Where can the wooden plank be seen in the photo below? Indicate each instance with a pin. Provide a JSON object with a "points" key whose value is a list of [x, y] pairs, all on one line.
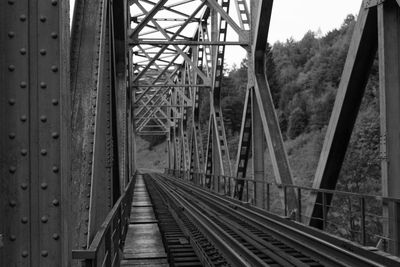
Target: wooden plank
{"points": [[351, 89]]}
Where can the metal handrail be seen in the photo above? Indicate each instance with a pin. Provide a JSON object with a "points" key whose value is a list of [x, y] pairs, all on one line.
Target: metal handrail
{"points": [[104, 249], [317, 190], [357, 203]]}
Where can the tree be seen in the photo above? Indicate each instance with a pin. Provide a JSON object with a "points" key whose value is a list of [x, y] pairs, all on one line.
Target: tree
{"points": [[298, 121]]}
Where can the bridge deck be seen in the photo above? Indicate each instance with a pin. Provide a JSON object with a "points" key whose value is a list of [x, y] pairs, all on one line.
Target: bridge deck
{"points": [[143, 244]]}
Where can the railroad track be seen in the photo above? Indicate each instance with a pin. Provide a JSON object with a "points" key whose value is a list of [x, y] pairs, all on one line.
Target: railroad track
{"points": [[181, 250], [246, 236]]}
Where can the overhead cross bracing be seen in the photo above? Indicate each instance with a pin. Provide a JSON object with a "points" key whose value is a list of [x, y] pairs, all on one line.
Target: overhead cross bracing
{"points": [[201, 65], [178, 48]]}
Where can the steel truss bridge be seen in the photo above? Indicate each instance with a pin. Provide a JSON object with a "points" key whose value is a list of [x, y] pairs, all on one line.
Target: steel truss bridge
{"points": [[75, 98]]}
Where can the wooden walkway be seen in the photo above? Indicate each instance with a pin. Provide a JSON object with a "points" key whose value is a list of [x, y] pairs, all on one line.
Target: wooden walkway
{"points": [[143, 244]]}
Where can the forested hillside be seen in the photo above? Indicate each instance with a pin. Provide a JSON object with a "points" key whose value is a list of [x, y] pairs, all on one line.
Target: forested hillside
{"points": [[304, 76]]}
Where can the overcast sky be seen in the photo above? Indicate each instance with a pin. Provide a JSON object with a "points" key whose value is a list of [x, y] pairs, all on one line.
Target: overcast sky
{"points": [[293, 18]]}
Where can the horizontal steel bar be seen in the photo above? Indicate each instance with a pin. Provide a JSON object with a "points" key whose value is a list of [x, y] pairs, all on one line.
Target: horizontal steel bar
{"points": [[160, 118], [152, 133], [161, 43], [172, 85], [162, 106]]}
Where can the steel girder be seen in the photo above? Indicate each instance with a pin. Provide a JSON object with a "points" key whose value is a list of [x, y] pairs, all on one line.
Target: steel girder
{"points": [[158, 41], [101, 115], [260, 125]]}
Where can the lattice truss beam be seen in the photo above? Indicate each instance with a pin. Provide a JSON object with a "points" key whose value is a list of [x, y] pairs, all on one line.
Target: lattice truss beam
{"points": [[178, 49], [199, 60]]}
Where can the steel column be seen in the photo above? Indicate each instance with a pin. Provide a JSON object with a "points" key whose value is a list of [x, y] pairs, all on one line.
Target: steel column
{"points": [[34, 101], [389, 68]]}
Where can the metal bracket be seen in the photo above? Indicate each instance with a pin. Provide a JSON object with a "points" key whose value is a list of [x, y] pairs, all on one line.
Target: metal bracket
{"points": [[372, 3]]}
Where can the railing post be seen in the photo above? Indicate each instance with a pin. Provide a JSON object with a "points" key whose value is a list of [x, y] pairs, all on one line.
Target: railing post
{"points": [[268, 201], [285, 200], [90, 263], [263, 197], [299, 204], [247, 191], [324, 210], [224, 185], [108, 246], [362, 207], [229, 184]]}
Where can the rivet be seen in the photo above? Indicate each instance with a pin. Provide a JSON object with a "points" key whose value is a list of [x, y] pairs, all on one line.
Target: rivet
{"points": [[87, 207], [88, 195], [12, 203], [84, 246], [11, 135], [23, 85], [43, 52], [44, 219], [54, 2], [23, 118], [56, 236], [22, 18], [11, 67], [13, 237], [11, 34], [43, 186], [42, 18], [55, 102], [24, 220], [44, 253], [43, 85], [11, 101], [54, 68], [43, 152], [56, 202], [24, 152], [24, 254], [12, 169], [43, 118], [24, 186], [54, 35], [55, 169], [55, 135], [22, 51]]}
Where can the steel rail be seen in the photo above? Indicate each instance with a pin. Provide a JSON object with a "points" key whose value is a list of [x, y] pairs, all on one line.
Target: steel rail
{"points": [[237, 254], [318, 243], [271, 251], [268, 249], [157, 197]]}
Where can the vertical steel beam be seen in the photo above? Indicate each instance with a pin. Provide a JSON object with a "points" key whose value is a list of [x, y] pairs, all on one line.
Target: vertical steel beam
{"points": [[244, 148], [269, 119], [258, 148], [389, 68], [351, 89], [118, 37], [258, 139], [34, 101], [102, 167]]}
